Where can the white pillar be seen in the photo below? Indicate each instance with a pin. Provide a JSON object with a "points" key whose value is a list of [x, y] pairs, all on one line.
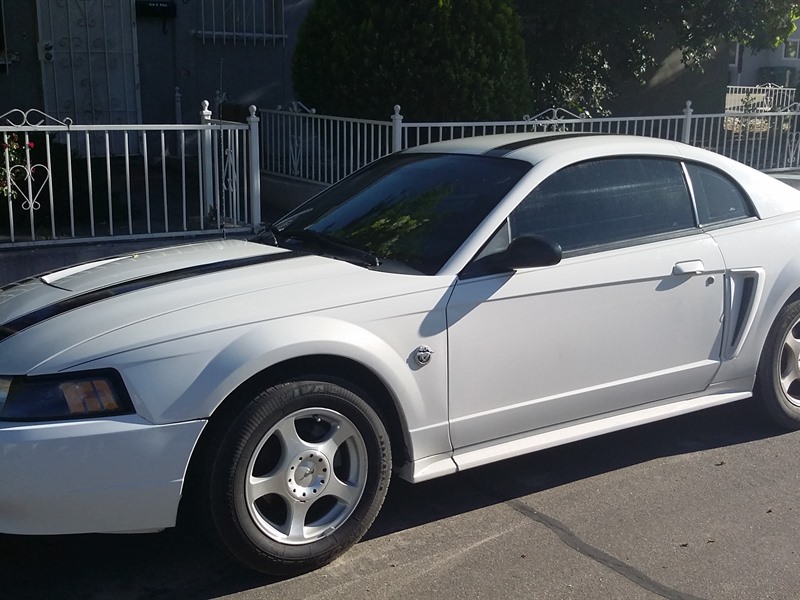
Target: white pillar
{"points": [[687, 123], [255, 167], [397, 129], [208, 162]]}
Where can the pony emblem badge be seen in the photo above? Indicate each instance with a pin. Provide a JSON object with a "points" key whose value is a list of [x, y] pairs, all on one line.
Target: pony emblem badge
{"points": [[423, 355]]}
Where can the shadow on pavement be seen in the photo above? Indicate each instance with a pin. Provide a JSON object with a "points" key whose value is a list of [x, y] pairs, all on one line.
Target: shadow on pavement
{"points": [[175, 564], [727, 425]]}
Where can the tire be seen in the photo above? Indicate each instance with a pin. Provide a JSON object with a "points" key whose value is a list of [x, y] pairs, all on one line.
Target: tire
{"points": [[299, 477], [778, 378]]}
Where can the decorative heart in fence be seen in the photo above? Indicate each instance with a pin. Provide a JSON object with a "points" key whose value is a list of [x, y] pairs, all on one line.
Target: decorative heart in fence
{"points": [[30, 203]]}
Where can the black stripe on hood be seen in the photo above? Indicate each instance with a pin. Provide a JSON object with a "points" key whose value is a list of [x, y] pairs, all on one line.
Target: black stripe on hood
{"points": [[53, 310]]}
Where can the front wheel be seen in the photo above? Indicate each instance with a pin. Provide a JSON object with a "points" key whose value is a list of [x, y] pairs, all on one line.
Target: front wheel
{"points": [[299, 477], [778, 379]]}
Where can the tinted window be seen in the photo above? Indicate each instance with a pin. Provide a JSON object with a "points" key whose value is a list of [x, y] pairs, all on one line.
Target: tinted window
{"points": [[605, 202], [415, 209], [718, 198]]}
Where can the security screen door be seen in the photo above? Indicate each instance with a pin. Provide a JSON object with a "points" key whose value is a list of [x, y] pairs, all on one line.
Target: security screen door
{"points": [[88, 54]]}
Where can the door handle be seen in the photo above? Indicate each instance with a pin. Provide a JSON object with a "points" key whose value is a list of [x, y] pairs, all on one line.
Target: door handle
{"points": [[689, 267]]}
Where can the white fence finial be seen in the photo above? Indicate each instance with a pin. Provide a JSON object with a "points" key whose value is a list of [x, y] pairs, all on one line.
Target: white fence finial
{"points": [[205, 114], [687, 123], [397, 129]]}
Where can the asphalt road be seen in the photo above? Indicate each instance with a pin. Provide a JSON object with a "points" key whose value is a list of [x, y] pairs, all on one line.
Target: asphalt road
{"points": [[701, 506]]}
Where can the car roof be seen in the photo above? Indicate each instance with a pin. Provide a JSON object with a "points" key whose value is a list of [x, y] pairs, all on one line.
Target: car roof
{"points": [[555, 150], [535, 147]]}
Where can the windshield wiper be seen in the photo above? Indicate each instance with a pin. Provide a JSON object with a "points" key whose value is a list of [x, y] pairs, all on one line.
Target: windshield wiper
{"points": [[267, 236], [341, 249]]}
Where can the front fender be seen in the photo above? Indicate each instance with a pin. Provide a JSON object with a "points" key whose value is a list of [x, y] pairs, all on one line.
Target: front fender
{"points": [[188, 378]]}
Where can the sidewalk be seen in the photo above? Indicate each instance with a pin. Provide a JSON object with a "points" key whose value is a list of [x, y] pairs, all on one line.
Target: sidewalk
{"points": [[791, 178]]}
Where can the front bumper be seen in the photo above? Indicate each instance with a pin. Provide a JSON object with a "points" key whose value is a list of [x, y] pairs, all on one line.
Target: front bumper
{"points": [[93, 476]]}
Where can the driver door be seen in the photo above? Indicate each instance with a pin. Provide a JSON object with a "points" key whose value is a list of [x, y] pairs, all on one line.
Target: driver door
{"points": [[631, 315]]}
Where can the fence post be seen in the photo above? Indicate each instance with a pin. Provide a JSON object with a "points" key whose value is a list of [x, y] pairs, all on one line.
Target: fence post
{"points": [[397, 129], [255, 168], [687, 123], [208, 162]]}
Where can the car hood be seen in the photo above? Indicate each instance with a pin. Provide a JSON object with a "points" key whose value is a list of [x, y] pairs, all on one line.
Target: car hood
{"points": [[117, 304], [109, 274]]}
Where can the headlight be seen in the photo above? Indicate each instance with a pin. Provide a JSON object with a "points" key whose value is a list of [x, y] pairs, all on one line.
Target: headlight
{"points": [[67, 396]]}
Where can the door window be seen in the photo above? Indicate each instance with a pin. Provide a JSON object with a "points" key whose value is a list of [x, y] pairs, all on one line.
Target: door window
{"points": [[614, 201]]}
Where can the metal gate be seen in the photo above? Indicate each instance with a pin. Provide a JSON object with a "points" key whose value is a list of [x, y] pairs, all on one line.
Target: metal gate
{"points": [[88, 53]]}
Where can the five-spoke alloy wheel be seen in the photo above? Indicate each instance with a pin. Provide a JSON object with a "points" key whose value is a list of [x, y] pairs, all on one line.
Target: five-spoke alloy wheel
{"points": [[779, 370], [299, 476]]}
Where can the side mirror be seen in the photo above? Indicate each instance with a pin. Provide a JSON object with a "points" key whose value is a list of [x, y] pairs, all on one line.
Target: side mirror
{"points": [[529, 251]]}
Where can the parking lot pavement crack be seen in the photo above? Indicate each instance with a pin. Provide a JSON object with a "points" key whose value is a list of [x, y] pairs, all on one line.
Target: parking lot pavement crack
{"points": [[604, 558]]}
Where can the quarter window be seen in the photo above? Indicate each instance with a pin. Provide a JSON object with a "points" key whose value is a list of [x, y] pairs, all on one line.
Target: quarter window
{"points": [[718, 199], [607, 201]]}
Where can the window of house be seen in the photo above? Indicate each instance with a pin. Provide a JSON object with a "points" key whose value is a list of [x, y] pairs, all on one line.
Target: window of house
{"points": [[718, 199], [241, 23], [791, 49], [733, 55], [607, 202]]}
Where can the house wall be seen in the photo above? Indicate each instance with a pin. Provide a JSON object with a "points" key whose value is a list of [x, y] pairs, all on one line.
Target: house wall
{"points": [[158, 64], [21, 81], [750, 68], [169, 57]]}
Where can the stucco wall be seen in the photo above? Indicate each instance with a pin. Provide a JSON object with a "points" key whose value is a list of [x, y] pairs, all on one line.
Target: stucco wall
{"points": [[171, 56]]}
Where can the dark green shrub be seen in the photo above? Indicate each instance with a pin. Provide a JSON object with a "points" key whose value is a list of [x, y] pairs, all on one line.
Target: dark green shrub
{"points": [[439, 59]]}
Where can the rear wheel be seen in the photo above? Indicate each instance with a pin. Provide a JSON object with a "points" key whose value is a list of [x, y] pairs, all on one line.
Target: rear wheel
{"points": [[299, 476], [778, 378]]}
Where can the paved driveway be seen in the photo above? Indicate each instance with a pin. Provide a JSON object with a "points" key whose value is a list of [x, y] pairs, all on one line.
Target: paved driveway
{"points": [[702, 506]]}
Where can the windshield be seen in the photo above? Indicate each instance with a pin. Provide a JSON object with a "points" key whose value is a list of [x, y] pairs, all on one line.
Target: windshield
{"points": [[408, 211]]}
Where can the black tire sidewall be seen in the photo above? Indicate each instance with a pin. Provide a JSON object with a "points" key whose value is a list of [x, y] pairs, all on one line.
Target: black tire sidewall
{"points": [[238, 531], [768, 384]]}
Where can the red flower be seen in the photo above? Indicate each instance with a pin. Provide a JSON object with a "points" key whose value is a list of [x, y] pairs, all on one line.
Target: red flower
{"points": [[30, 145]]}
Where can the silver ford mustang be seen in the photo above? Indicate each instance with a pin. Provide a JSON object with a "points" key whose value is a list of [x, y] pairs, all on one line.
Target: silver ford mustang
{"points": [[443, 308]]}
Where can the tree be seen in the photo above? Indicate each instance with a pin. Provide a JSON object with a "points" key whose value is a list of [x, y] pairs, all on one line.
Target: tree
{"points": [[439, 59], [576, 49]]}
